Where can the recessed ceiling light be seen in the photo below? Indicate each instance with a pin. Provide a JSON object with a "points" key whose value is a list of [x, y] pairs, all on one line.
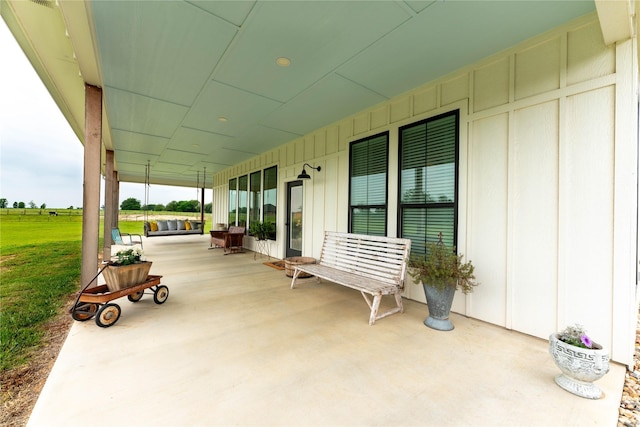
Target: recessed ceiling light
{"points": [[195, 145], [283, 62], [222, 119]]}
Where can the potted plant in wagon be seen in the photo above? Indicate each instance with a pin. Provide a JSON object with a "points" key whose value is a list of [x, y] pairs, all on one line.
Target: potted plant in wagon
{"points": [[581, 361], [441, 271], [127, 268]]}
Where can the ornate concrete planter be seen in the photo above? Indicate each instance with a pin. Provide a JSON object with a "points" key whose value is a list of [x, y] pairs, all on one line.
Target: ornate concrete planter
{"points": [[579, 366]]}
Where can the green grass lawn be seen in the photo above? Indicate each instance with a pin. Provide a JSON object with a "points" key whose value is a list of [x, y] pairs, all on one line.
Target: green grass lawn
{"points": [[40, 264]]}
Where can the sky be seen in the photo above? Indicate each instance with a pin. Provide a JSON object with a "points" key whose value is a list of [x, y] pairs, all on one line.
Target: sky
{"points": [[40, 156]]}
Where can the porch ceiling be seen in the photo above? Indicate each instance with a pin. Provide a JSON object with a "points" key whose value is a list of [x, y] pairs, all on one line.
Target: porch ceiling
{"points": [[171, 70]]}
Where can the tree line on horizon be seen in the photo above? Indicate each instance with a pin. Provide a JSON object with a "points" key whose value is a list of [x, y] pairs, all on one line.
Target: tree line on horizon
{"points": [[130, 204], [4, 204], [133, 204]]}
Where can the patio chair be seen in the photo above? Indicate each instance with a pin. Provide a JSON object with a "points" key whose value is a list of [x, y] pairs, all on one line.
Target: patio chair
{"points": [[116, 235]]}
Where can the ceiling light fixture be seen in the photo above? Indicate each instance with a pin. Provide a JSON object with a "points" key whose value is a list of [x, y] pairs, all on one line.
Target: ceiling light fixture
{"points": [[304, 174], [283, 62], [222, 119]]}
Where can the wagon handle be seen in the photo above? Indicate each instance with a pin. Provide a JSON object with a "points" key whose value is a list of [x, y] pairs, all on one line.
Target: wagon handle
{"points": [[75, 304]]}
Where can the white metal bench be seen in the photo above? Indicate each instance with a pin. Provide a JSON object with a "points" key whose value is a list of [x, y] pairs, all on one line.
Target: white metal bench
{"points": [[373, 265]]}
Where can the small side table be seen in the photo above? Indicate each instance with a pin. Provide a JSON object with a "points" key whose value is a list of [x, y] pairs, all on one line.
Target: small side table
{"points": [[262, 246]]}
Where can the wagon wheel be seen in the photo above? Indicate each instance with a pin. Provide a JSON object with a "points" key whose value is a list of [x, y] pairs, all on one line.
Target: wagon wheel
{"points": [[136, 296], [161, 294], [84, 311], [108, 315]]}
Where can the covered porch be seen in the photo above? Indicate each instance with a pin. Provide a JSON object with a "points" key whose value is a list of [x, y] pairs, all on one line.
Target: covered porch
{"points": [[233, 345]]}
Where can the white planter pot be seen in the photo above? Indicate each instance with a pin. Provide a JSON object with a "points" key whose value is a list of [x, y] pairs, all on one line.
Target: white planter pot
{"points": [[579, 366]]}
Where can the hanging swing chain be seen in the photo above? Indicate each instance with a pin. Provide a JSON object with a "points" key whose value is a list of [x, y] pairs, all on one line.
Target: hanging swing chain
{"points": [[146, 191]]}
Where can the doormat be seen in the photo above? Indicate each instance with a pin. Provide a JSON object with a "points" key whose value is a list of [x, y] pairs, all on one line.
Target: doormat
{"points": [[278, 265]]}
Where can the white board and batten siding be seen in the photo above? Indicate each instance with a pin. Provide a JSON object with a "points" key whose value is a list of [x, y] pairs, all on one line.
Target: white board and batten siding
{"points": [[547, 181]]}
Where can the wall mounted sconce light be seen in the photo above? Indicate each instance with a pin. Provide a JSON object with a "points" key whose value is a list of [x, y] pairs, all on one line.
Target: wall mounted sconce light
{"points": [[304, 174]]}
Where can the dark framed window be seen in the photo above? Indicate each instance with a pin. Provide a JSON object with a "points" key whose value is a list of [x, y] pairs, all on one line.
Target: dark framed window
{"points": [[270, 197], [233, 200], [428, 181], [243, 183], [255, 187], [368, 173], [254, 198]]}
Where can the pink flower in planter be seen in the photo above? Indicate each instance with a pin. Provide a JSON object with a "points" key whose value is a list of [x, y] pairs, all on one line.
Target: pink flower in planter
{"points": [[586, 340]]}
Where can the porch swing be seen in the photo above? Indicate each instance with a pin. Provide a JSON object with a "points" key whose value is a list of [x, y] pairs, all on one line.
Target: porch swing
{"points": [[172, 227]]}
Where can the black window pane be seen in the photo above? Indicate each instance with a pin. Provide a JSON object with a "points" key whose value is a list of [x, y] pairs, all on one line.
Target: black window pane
{"points": [[368, 185]]}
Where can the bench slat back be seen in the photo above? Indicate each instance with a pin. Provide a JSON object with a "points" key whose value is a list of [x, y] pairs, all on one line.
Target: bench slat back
{"points": [[376, 257]]}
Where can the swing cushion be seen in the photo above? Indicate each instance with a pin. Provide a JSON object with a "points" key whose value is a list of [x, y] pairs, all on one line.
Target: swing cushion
{"points": [[181, 225], [173, 224], [187, 225], [196, 227], [154, 226]]}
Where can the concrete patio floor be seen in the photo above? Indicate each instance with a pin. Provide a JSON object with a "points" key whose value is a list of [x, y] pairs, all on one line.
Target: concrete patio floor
{"points": [[233, 345]]}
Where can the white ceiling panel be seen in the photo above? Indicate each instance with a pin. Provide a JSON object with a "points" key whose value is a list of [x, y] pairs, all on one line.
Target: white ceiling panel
{"points": [[339, 96], [239, 108], [447, 36], [136, 142], [257, 139], [200, 141], [141, 114], [171, 69], [135, 162], [316, 36], [234, 12], [164, 50]]}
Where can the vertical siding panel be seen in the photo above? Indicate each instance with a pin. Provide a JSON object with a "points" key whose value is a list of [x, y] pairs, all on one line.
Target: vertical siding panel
{"points": [[588, 169], [538, 69], [588, 57], [379, 117], [491, 85], [535, 215], [332, 140], [344, 133], [455, 90], [400, 109], [330, 190], [320, 144], [425, 100], [361, 124], [488, 216], [343, 192], [308, 148]]}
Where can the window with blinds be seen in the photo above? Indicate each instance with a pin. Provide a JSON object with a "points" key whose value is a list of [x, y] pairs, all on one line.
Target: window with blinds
{"points": [[368, 164], [429, 181]]}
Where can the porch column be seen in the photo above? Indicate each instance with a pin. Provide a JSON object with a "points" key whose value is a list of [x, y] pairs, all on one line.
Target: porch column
{"points": [[91, 182], [109, 207], [116, 199]]}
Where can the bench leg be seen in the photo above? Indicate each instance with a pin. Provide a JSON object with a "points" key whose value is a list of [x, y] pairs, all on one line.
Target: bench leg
{"points": [[296, 273], [399, 302], [375, 307]]}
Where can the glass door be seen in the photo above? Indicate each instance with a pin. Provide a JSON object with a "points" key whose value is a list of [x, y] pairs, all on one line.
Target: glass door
{"points": [[294, 219]]}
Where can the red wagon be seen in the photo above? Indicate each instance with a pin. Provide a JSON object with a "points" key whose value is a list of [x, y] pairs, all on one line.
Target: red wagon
{"points": [[96, 301]]}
